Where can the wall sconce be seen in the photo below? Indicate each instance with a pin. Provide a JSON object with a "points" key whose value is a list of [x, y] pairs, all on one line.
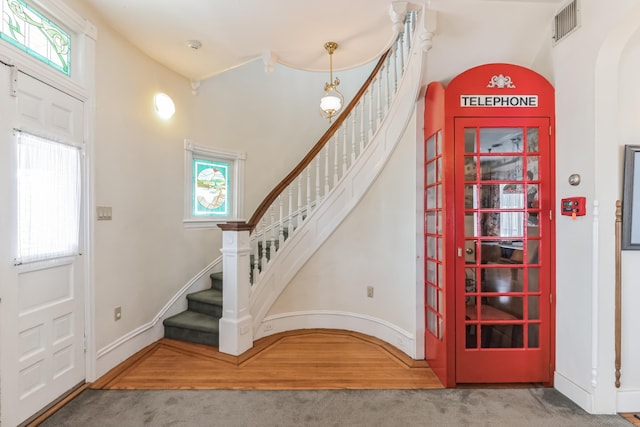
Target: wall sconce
{"points": [[332, 102], [165, 108]]}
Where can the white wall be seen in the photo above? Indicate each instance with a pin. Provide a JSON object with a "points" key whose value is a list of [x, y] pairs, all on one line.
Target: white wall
{"points": [[374, 246], [589, 75], [144, 255], [273, 117]]}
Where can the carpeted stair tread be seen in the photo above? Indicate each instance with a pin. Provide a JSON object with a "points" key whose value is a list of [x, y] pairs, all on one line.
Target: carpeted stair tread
{"points": [[216, 281], [193, 321], [208, 296]]}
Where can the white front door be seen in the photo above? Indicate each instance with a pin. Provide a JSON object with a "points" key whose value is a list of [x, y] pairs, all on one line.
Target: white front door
{"points": [[42, 302]]}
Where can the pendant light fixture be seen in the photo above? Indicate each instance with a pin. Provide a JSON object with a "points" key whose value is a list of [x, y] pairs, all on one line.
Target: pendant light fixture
{"points": [[332, 102]]}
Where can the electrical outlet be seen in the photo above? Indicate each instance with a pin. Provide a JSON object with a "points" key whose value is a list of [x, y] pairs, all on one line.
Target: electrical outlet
{"points": [[268, 327], [117, 313], [370, 291]]}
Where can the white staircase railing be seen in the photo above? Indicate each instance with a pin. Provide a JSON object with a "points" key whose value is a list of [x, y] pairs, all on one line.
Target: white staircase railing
{"points": [[251, 248]]}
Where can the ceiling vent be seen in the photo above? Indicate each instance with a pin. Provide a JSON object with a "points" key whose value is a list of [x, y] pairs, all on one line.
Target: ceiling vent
{"points": [[566, 21]]}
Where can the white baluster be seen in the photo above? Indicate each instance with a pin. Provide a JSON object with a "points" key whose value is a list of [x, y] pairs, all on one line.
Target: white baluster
{"points": [[362, 134], [387, 99], [291, 215], [371, 112], [326, 170], [308, 191], [299, 217], [344, 148], [395, 68], [335, 158], [272, 247], [408, 31], [263, 259], [402, 54], [256, 260], [379, 78], [353, 135], [281, 224], [318, 198]]}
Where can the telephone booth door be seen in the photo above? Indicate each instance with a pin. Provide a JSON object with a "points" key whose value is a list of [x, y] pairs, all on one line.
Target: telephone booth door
{"points": [[503, 325]]}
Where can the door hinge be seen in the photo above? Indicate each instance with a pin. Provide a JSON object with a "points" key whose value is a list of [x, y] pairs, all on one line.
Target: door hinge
{"points": [[550, 133], [84, 342], [13, 81], [550, 298], [550, 215]]}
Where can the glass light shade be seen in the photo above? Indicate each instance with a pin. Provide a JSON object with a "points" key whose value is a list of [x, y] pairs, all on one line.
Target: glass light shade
{"points": [[165, 108], [330, 103]]}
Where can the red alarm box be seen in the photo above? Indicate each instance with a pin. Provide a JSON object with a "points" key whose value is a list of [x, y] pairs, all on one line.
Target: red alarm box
{"points": [[574, 206]]}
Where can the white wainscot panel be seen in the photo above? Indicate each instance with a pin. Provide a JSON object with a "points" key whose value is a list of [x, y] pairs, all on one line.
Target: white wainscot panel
{"points": [[31, 107], [31, 379], [31, 342], [42, 288], [62, 328], [62, 118], [63, 361]]}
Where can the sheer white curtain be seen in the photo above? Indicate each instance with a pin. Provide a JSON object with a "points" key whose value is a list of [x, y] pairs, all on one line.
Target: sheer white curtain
{"points": [[511, 223], [48, 196]]}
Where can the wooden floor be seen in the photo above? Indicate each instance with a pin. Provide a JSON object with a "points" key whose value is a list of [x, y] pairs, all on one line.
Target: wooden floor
{"points": [[309, 359]]}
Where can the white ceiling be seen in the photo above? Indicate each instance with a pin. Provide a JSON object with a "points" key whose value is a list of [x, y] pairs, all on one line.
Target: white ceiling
{"points": [[234, 32]]}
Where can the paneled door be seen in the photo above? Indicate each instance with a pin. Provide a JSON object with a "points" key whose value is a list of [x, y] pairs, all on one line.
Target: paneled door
{"points": [[503, 275], [42, 225]]}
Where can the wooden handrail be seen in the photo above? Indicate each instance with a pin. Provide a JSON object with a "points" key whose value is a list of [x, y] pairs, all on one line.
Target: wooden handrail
{"points": [[273, 195]]}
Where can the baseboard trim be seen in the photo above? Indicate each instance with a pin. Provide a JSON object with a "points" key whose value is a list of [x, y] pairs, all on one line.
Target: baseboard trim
{"points": [[628, 401], [129, 344], [574, 392], [324, 319]]}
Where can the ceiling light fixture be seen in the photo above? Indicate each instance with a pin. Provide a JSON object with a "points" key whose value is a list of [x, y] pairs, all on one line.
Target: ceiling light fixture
{"points": [[332, 101], [194, 44]]}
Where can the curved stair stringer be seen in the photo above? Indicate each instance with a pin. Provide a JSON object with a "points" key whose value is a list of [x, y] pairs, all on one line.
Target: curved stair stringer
{"points": [[342, 199]]}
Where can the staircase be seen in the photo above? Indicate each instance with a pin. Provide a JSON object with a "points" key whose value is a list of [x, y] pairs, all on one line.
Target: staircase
{"points": [[200, 322], [262, 254]]}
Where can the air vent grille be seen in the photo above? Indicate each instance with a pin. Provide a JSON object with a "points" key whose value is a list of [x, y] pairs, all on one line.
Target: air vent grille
{"points": [[566, 21]]}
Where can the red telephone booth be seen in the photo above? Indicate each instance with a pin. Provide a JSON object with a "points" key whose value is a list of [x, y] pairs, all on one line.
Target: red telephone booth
{"points": [[489, 236]]}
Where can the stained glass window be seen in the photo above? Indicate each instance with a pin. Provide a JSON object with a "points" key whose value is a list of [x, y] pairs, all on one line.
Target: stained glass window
{"points": [[210, 196], [27, 29], [214, 185]]}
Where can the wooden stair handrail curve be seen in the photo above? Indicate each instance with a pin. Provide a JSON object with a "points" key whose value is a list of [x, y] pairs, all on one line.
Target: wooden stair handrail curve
{"points": [[273, 195]]}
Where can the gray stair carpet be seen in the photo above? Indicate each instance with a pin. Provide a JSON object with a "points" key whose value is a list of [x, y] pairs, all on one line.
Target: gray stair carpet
{"points": [[200, 322]]}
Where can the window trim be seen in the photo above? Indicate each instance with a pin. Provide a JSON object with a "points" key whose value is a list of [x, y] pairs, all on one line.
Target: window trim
{"points": [[235, 186]]}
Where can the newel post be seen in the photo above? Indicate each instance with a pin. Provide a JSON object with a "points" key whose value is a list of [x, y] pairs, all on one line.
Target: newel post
{"points": [[236, 335]]}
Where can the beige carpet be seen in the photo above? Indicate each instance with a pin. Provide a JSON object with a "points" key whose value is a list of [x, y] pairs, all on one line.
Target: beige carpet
{"points": [[235, 408]]}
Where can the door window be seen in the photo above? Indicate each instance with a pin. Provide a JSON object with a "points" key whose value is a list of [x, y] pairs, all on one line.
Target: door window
{"points": [[48, 199]]}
